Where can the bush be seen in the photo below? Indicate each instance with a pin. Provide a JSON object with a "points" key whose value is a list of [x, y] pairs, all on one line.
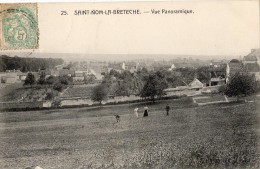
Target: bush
{"points": [[49, 95], [58, 87]]}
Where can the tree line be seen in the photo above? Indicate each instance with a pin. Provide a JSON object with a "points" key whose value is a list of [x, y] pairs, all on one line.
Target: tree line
{"points": [[27, 64]]}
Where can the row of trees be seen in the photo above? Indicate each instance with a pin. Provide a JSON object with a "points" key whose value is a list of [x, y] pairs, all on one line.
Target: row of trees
{"points": [[56, 82]]}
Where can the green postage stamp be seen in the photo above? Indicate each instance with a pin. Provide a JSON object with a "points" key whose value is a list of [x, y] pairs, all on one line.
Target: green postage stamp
{"points": [[19, 26]]}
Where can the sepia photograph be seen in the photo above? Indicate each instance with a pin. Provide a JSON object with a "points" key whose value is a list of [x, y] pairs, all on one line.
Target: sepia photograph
{"points": [[130, 85]]}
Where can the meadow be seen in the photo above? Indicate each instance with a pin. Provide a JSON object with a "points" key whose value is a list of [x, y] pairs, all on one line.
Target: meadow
{"points": [[212, 136]]}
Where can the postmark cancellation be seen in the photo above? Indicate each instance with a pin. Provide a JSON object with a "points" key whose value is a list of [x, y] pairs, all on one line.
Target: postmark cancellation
{"points": [[19, 26]]}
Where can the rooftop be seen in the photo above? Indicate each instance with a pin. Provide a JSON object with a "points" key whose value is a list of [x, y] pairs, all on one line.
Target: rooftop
{"points": [[254, 54], [252, 67]]}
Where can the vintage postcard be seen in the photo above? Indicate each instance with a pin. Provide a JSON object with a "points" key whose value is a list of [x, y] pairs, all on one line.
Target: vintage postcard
{"points": [[130, 85]]}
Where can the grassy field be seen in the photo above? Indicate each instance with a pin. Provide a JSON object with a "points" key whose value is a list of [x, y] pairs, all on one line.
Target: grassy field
{"points": [[78, 91], [213, 136]]}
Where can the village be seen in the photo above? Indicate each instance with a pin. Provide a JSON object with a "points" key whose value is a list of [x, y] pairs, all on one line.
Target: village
{"points": [[186, 77]]}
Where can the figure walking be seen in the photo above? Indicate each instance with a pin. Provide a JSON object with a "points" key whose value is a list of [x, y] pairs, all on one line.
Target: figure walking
{"points": [[117, 118], [167, 108], [145, 111], [136, 112]]}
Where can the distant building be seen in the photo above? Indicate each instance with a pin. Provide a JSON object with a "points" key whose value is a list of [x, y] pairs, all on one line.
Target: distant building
{"points": [[131, 66], [78, 78], [252, 57], [11, 76], [217, 63], [252, 63], [115, 66], [98, 66], [49, 72], [78, 73], [172, 67]]}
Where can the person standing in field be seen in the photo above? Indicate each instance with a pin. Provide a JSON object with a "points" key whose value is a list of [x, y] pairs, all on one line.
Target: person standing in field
{"points": [[145, 111], [167, 108], [136, 112]]}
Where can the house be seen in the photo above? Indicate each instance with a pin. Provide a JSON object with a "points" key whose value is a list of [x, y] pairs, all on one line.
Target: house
{"points": [[253, 69], [78, 78], [131, 66], [233, 67], [252, 57], [217, 74], [194, 88], [49, 72], [22, 76], [79, 75], [11, 76], [196, 84]]}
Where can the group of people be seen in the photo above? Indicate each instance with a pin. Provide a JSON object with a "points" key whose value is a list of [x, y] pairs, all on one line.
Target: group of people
{"points": [[167, 108]]}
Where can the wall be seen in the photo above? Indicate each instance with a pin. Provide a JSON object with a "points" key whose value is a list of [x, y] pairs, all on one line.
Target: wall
{"points": [[88, 101], [75, 102], [188, 92]]}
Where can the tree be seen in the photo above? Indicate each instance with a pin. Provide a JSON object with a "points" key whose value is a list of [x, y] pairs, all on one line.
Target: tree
{"points": [[154, 86], [51, 80], [50, 95], [240, 85], [99, 93], [65, 80], [41, 80], [203, 74], [30, 79], [58, 86], [121, 89]]}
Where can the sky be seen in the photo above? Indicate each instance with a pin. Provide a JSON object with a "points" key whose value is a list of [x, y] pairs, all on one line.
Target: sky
{"points": [[215, 28]]}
